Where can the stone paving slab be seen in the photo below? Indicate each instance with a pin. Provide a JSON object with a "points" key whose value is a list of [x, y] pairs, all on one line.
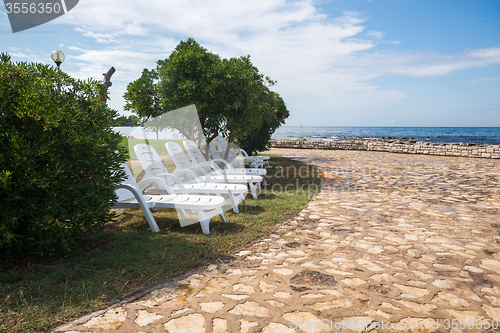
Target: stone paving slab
{"points": [[391, 243]]}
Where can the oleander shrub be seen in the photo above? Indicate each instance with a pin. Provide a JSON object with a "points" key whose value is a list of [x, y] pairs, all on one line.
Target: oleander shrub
{"points": [[59, 159]]}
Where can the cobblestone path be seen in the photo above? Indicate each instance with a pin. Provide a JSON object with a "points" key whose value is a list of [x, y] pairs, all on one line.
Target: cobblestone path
{"points": [[392, 243]]}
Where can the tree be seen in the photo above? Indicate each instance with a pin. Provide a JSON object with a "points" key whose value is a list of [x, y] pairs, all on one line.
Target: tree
{"points": [[273, 117], [231, 96], [142, 96], [251, 100], [126, 121], [242, 95]]}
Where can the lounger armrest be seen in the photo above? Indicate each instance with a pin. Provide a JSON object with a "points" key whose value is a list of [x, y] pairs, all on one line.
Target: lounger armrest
{"points": [[160, 182], [175, 180], [211, 165], [179, 174], [142, 203], [245, 155], [215, 155], [131, 188], [202, 172], [236, 151], [223, 161], [182, 172]]}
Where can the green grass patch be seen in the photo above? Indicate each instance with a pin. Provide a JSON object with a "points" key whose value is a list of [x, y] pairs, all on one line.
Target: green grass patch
{"points": [[158, 145], [38, 295]]}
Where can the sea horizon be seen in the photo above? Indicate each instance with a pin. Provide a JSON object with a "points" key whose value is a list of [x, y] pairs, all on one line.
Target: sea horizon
{"points": [[436, 134]]}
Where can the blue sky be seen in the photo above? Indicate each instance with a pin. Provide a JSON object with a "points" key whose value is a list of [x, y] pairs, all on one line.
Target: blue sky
{"points": [[337, 63]]}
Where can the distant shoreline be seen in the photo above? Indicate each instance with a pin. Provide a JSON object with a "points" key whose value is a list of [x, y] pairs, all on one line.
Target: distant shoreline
{"points": [[388, 139], [459, 149]]}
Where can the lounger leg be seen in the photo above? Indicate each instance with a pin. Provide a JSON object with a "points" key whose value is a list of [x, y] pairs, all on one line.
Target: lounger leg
{"points": [[222, 218], [257, 189], [182, 214], [151, 220], [234, 204], [205, 226], [253, 188], [143, 205]]}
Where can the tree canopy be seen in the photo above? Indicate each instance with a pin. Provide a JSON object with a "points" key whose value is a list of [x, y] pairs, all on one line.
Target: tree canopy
{"points": [[231, 95]]}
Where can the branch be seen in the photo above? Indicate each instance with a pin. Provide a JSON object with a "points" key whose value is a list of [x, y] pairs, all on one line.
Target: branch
{"points": [[106, 81]]}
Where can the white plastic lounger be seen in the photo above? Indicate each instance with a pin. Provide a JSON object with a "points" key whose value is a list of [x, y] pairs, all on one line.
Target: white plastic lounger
{"points": [[181, 161], [255, 161], [236, 161], [197, 158], [204, 206], [153, 167]]}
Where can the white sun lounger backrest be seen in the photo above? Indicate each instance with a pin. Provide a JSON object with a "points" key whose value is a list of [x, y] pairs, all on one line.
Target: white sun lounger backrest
{"points": [[197, 156], [231, 157], [178, 156], [151, 162], [194, 152], [222, 146], [125, 195], [214, 153], [255, 161], [221, 143], [129, 194]]}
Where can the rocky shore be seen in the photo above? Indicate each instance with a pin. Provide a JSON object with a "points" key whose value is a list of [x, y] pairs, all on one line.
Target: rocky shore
{"points": [[398, 146]]}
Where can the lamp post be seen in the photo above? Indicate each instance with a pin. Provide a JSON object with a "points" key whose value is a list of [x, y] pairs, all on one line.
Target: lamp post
{"points": [[58, 57]]}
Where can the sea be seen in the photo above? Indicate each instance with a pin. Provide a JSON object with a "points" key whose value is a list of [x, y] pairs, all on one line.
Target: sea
{"points": [[477, 135]]}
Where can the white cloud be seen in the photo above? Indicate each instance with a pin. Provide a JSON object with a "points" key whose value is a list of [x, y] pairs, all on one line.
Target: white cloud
{"points": [[478, 80], [421, 64], [100, 38], [288, 40], [320, 62], [440, 65], [24, 55], [129, 64], [20, 55], [214, 19], [393, 42], [375, 34]]}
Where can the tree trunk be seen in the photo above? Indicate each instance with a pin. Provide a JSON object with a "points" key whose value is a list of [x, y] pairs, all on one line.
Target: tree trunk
{"points": [[230, 140]]}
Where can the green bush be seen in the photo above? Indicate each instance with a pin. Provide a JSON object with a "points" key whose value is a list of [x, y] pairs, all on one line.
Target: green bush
{"points": [[59, 159]]}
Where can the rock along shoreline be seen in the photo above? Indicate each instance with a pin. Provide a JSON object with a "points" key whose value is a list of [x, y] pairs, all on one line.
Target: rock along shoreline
{"points": [[398, 146]]}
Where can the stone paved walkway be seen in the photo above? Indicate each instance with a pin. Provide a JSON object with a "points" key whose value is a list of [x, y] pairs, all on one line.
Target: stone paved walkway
{"points": [[392, 243]]}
